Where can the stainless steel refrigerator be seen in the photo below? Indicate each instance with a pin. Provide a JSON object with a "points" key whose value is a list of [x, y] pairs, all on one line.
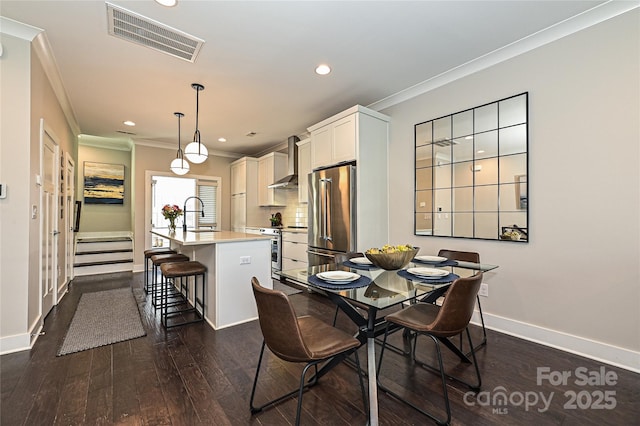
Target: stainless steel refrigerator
{"points": [[332, 213]]}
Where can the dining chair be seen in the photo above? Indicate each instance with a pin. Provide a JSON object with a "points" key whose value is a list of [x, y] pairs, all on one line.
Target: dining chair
{"points": [[298, 339], [473, 257], [438, 323]]}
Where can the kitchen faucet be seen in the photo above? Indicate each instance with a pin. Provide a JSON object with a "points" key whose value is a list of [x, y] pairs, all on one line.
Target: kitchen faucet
{"points": [[184, 210]]}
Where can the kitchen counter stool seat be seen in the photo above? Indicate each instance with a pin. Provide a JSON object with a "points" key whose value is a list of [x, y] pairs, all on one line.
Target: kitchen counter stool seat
{"points": [[147, 256], [176, 311], [157, 260]]}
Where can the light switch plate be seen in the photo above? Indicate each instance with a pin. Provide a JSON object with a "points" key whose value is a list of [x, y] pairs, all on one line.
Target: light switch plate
{"points": [[245, 260]]}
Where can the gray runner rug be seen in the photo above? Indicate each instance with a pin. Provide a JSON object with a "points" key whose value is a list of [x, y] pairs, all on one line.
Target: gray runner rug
{"points": [[103, 318]]}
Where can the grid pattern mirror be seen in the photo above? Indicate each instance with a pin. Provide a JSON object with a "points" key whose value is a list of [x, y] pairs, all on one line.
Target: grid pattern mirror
{"points": [[471, 172]]}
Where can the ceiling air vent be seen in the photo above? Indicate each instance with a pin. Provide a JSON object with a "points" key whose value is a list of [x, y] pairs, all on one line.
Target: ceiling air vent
{"points": [[138, 29], [445, 142]]}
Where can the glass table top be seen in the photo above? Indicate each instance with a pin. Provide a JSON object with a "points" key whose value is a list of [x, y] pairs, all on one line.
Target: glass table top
{"points": [[387, 288]]}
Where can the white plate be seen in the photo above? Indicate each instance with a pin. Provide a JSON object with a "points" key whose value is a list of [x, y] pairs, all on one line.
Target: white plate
{"points": [[337, 276], [431, 259], [428, 272], [361, 261]]}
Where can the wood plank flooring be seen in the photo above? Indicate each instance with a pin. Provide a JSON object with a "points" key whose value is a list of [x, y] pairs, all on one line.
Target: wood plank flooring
{"points": [[193, 375]]}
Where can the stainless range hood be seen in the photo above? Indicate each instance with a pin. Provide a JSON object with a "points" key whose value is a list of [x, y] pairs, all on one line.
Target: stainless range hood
{"points": [[291, 179]]}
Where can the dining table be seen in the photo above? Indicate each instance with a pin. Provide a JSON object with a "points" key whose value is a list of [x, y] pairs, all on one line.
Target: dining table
{"points": [[357, 287]]}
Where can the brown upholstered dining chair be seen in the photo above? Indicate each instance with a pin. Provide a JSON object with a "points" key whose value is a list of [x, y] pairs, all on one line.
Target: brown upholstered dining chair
{"points": [[449, 320], [302, 339], [473, 257]]}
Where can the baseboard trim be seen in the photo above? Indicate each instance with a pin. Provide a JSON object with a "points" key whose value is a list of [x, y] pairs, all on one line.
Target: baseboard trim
{"points": [[588, 348], [16, 343]]}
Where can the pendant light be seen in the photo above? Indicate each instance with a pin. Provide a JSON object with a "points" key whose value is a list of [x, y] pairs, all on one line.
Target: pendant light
{"points": [[179, 165], [196, 152]]}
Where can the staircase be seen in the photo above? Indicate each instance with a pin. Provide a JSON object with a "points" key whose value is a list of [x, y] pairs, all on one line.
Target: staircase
{"points": [[99, 254]]}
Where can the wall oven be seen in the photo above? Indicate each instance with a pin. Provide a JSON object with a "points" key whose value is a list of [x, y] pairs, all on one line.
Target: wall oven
{"points": [[276, 250]]}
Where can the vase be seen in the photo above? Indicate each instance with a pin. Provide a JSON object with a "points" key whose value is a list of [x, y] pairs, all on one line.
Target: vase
{"points": [[172, 225]]}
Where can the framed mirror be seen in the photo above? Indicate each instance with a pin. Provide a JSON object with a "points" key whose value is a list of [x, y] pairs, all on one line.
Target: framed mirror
{"points": [[471, 173]]}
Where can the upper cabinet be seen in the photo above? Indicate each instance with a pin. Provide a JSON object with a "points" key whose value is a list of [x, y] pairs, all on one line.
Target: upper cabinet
{"points": [[359, 135], [244, 193], [271, 167], [304, 168]]}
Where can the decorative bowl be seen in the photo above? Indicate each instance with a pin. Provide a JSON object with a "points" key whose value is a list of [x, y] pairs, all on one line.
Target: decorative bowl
{"points": [[392, 261]]}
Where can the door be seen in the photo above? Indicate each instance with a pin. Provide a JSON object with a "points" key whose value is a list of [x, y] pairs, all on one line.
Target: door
{"points": [[48, 219], [69, 210]]}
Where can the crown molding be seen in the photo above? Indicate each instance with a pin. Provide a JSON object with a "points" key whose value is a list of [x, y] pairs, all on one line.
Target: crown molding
{"points": [[18, 29], [586, 19], [172, 146], [124, 144]]}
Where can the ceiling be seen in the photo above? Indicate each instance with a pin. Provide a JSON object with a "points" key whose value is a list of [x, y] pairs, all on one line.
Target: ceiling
{"points": [[258, 59]]}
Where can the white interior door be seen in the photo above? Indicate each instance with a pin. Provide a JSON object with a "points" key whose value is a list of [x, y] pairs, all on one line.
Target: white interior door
{"points": [[70, 203], [48, 219]]}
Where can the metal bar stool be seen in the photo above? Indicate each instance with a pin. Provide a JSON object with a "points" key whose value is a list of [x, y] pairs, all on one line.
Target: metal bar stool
{"points": [[147, 255], [176, 311], [157, 260]]}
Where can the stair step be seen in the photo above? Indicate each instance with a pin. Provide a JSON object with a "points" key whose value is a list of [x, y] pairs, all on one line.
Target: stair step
{"points": [[103, 262], [102, 239], [104, 245], [123, 250]]}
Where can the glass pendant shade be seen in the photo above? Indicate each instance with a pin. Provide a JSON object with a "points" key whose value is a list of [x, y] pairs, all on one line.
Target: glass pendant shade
{"points": [[196, 152], [179, 165]]}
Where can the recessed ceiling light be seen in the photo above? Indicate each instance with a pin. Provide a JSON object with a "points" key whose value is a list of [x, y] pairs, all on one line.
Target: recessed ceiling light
{"points": [[168, 3], [469, 137], [323, 69], [128, 123], [222, 140], [480, 151]]}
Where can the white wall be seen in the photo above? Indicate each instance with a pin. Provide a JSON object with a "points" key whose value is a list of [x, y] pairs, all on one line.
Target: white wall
{"points": [[576, 284]]}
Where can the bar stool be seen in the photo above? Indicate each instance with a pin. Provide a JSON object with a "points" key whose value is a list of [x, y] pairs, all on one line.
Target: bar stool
{"points": [[147, 255], [157, 260], [182, 270]]}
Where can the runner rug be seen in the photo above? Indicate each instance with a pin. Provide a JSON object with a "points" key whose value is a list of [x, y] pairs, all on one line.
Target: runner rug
{"points": [[103, 318]]}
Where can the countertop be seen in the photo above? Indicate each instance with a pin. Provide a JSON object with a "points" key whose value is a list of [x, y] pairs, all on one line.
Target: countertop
{"points": [[191, 238]]}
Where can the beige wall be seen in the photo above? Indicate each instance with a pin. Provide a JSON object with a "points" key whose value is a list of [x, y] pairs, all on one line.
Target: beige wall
{"points": [[98, 217], [27, 97], [579, 274]]}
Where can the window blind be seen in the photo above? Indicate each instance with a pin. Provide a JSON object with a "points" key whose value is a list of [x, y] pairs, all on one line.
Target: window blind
{"points": [[208, 193]]}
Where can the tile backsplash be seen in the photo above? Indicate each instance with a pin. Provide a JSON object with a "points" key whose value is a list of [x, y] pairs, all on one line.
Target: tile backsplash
{"points": [[293, 214]]}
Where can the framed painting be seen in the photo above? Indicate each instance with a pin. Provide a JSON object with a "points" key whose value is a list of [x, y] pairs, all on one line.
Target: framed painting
{"points": [[103, 183]]}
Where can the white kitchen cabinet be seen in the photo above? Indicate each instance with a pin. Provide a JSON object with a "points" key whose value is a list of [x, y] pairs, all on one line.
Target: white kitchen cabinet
{"points": [[271, 167], [239, 177], [304, 168], [362, 135], [334, 142], [294, 249], [244, 188]]}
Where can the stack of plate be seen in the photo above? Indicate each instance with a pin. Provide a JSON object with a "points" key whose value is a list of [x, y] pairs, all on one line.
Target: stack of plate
{"points": [[428, 273], [337, 277], [360, 261], [430, 259]]}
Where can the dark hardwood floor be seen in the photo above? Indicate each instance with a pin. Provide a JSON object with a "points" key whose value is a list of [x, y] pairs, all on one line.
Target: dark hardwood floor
{"points": [[194, 375]]}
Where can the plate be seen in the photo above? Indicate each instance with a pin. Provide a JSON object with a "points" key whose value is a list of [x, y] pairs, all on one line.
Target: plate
{"points": [[431, 259], [338, 276], [428, 272], [360, 261]]}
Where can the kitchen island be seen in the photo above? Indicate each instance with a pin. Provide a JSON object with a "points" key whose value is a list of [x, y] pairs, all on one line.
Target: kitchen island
{"points": [[231, 258]]}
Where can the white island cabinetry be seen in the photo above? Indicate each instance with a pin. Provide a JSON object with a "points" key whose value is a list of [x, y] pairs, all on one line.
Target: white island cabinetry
{"points": [[294, 249], [231, 258], [359, 135]]}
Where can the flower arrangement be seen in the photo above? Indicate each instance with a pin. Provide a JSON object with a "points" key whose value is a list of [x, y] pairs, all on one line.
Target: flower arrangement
{"points": [[171, 212]]}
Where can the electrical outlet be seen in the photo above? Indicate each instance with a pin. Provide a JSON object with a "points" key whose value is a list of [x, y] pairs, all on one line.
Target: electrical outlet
{"points": [[484, 290], [245, 260]]}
